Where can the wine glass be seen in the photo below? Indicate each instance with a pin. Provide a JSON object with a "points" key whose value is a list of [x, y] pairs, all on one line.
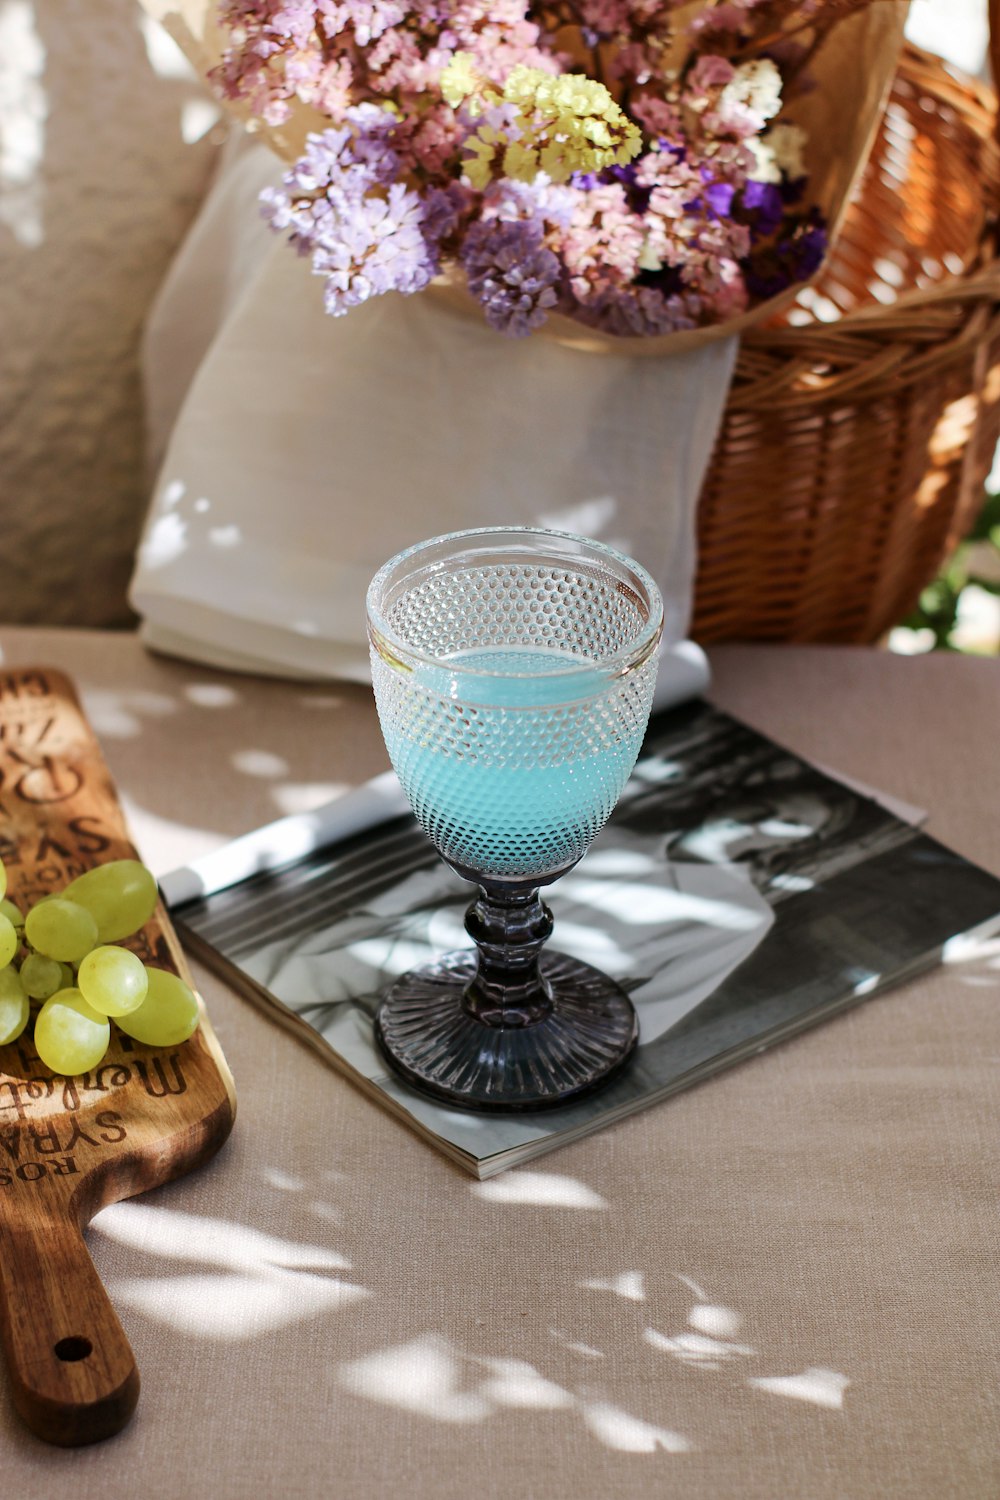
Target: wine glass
{"points": [[513, 671]]}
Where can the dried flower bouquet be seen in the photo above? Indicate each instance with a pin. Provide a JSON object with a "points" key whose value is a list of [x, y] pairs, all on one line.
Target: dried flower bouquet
{"points": [[639, 165]]}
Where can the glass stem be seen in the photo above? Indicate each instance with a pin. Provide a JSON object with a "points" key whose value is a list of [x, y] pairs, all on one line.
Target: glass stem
{"points": [[509, 929]]}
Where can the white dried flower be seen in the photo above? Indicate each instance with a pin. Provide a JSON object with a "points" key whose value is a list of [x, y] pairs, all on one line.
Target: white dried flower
{"points": [[757, 86]]}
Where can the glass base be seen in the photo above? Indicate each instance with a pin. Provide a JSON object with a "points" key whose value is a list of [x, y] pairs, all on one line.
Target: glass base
{"points": [[429, 1039]]}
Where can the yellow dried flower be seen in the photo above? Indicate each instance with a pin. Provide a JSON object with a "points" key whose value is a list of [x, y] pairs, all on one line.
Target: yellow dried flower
{"points": [[563, 124], [478, 168], [459, 79], [521, 162]]}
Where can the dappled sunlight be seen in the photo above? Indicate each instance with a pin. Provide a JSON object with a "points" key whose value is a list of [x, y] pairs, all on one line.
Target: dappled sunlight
{"points": [[288, 838], [540, 1189], [24, 108], [422, 1376], [429, 1375], [951, 435], [319, 701], [295, 797], [721, 1322], [710, 1343], [585, 1351], [708, 1340], [585, 517], [164, 843], [119, 715], [165, 57], [192, 1237], [285, 1182], [975, 956], [628, 1434], [979, 947], [211, 694], [628, 1331], [696, 1348], [667, 905], [792, 885], [629, 1284], [326, 1212], [233, 1307], [593, 946], [198, 117], [256, 762], [198, 114], [179, 523], [821, 1387], [260, 1282], [165, 541], [225, 536], [515, 1383], [728, 839]]}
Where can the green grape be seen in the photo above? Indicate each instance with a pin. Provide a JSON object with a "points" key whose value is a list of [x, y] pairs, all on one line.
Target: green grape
{"points": [[70, 1037], [113, 981], [60, 929], [13, 1006], [68, 976], [8, 940], [120, 896], [12, 913], [42, 976], [3, 880], [168, 1015]]}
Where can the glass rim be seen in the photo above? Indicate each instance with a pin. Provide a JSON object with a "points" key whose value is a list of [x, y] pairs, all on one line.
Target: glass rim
{"points": [[400, 653]]}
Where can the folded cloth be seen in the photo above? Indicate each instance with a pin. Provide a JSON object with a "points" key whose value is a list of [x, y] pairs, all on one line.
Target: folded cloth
{"points": [[304, 450]]}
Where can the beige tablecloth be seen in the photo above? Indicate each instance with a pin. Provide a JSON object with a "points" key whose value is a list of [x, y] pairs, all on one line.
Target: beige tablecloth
{"points": [[784, 1283]]}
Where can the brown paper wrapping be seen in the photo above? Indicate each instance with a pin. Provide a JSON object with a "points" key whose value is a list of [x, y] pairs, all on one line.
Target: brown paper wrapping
{"points": [[852, 73]]}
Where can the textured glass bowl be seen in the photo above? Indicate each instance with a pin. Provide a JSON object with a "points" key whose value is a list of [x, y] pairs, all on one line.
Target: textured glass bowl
{"points": [[513, 672]]}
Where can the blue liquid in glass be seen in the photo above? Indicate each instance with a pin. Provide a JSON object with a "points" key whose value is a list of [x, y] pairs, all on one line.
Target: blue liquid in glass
{"points": [[512, 767]]}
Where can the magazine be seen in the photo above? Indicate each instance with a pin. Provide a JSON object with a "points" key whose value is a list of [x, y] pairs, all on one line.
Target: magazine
{"points": [[738, 893]]}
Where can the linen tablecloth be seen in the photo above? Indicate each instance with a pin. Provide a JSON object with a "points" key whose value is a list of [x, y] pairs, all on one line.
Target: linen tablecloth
{"points": [[782, 1283]]}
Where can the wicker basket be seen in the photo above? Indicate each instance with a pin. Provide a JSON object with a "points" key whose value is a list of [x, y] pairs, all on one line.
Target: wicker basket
{"points": [[861, 424]]}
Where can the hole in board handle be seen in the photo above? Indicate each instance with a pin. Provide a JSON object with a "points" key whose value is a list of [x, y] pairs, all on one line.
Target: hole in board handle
{"points": [[73, 1348]]}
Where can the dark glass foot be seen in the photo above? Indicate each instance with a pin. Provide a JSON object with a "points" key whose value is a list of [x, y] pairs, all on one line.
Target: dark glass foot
{"points": [[428, 1035]]}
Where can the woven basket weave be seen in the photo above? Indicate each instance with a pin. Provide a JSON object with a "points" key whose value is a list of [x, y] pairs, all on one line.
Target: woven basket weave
{"points": [[862, 423]]}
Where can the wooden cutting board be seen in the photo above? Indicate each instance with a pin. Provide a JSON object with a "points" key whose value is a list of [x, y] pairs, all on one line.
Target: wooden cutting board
{"points": [[68, 1146]]}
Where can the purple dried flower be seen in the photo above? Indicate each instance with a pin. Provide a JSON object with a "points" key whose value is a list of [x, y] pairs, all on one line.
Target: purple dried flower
{"points": [[372, 246], [718, 198], [762, 207], [365, 232], [512, 273], [444, 209], [770, 269], [639, 311]]}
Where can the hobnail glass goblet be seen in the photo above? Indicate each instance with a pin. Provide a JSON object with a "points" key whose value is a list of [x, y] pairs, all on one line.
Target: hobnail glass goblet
{"points": [[513, 673]]}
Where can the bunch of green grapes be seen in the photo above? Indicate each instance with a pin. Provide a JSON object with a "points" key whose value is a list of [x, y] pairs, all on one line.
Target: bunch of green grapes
{"points": [[63, 953]]}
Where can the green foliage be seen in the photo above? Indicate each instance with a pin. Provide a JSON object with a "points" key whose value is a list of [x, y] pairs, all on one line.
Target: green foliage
{"points": [[938, 609]]}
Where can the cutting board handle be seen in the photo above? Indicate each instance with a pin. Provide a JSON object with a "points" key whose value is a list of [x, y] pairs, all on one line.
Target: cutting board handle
{"points": [[73, 1375]]}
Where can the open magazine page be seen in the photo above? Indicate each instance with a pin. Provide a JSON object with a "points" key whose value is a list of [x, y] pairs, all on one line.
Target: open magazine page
{"points": [[738, 894]]}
